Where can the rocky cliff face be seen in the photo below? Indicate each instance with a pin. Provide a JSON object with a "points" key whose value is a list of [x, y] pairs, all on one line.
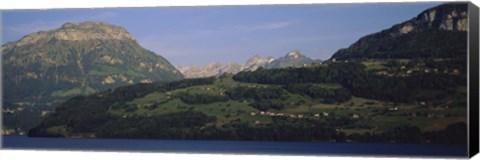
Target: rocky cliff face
{"points": [[448, 17], [77, 59], [439, 32], [293, 58], [256, 62], [451, 17]]}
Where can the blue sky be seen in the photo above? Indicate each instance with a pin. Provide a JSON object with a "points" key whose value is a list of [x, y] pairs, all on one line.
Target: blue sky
{"points": [[201, 35]]}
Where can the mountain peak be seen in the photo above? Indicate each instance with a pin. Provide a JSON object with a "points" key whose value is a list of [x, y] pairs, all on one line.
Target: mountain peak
{"points": [[294, 54], [76, 32], [91, 30], [256, 61], [86, 24], [449, 17]]}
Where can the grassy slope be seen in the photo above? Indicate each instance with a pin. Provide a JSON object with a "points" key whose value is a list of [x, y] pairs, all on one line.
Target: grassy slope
{"points": [[373, 113]]}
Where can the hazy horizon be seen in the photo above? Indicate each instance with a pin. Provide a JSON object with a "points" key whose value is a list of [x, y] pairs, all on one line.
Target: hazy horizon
{"points": [[202, 35]]}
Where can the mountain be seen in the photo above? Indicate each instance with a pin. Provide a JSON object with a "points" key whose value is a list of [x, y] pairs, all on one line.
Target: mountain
{"points": [[47, 67], [256, 62], [293, 58], [436, 32], [78, 59], [212, 69]]}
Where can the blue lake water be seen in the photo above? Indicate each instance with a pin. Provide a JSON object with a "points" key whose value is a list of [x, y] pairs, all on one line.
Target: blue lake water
{"points": [[236, 147]]}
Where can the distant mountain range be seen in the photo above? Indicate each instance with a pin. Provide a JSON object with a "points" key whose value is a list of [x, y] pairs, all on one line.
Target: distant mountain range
{"points": [[436, 32], [291, 59]]}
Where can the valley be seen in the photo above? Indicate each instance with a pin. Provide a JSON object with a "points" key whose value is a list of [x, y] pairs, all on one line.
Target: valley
{"points": [[230, 103]]}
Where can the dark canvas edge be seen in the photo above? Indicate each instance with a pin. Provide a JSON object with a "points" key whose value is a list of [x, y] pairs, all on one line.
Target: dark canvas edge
{"points": [[473, 112]]}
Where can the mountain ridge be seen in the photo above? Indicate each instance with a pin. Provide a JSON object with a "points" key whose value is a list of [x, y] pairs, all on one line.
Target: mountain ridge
{"points": [[430, 33], [292, 59], [71, 32]]}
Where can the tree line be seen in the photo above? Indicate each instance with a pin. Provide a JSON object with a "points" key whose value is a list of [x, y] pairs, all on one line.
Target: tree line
{"points": [[359, 82], [197, 125]]}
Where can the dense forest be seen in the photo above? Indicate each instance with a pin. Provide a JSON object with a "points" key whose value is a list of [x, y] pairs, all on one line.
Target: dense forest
{"points": [[199, 126], [358, 81]]}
